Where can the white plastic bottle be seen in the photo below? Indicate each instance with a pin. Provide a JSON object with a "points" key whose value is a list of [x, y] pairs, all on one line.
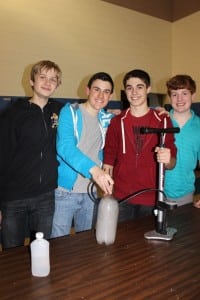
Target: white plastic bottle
{"points": [[40, 262], [107, 219]]}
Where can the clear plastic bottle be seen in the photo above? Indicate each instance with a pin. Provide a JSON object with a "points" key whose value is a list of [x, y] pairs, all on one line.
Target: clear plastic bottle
{"points": [[107, 219], [40, 262]]}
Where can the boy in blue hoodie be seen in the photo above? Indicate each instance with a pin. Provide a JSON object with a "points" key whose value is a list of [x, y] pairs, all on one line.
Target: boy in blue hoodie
{"points": [[80, 140]]}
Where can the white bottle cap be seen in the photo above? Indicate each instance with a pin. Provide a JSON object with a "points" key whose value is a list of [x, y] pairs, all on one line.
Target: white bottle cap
{"points": [[39, 235]]}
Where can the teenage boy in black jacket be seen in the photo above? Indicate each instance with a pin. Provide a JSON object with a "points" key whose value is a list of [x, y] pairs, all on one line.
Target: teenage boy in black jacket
{"points": [[28, 165]]}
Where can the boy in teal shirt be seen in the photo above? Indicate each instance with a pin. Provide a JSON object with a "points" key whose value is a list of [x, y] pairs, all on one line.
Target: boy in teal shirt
{"points": [[180, 181]]}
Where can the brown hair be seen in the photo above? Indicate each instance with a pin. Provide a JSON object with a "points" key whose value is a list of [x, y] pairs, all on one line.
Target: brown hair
{"points": [[181, 82]]}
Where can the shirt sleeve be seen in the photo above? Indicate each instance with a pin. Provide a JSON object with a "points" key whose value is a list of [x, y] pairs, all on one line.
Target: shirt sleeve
{"points": [[66, 144], [111, 143], [7, 148]]}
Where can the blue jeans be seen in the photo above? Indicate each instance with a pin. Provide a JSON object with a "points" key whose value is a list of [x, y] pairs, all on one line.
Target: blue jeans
{"points": [[27, 216], [71, 207]]}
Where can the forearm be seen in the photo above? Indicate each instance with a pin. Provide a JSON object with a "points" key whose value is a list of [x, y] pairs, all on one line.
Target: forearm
{"points": [[171, 164], [108, 169], [76, 159]]}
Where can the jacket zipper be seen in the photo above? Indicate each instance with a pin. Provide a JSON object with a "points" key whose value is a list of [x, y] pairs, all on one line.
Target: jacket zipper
{"points": [[46, 130]]}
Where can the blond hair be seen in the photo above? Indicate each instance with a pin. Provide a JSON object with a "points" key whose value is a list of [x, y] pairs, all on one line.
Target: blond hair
{"points": [[46, 65]]}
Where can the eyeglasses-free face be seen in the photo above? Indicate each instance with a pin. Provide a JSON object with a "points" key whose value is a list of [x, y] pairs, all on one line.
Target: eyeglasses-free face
{"points": [[45, 83]]}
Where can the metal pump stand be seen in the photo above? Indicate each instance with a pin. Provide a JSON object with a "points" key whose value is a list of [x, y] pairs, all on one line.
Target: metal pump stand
{"points": [[161, 232]]}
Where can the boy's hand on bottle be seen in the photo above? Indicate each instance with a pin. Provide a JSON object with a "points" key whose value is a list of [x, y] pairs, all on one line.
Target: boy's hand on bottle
{"points": [[104, 181]]}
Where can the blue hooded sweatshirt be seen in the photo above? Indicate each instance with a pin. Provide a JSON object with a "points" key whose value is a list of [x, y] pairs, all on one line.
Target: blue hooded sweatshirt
{"points": [[72, 161]]}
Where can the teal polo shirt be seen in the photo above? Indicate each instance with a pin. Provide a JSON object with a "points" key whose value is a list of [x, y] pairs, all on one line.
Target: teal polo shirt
{"points": [[180, 181]]}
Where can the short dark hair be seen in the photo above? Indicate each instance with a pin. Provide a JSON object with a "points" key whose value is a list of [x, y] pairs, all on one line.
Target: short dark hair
{"points": [[102, 76], [137, 73], [181, 82]]}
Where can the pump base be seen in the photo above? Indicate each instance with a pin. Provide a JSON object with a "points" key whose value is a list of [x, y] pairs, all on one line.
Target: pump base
{"points": [[154, 235]]}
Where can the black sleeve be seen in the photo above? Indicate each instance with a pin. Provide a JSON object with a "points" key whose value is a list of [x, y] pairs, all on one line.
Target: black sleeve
{"points": [[5, 148]]}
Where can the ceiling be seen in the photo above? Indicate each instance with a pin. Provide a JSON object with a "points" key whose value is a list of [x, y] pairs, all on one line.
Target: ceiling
{"points": [[169, 10]]}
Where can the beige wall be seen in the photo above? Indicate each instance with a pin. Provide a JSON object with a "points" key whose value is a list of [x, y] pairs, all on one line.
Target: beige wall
{"points": [[186, 48], [87, 36], [83, 37]]}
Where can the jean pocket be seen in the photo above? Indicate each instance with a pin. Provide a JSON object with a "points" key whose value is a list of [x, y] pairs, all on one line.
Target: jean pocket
{"points": [[61, 193]]}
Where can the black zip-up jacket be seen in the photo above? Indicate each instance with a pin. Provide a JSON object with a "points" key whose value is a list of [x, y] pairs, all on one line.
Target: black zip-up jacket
{"points": [[28, 165]]}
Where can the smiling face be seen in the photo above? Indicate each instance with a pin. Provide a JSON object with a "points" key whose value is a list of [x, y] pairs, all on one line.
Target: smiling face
{"points": [[98, 95], [181, 89], [45, 83], [136, 92], [181, 100]]}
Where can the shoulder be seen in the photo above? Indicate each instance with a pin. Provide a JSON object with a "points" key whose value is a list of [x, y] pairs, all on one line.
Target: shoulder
{"points": [[116, 120], [55, 105], [124, 113], [103, 114], [196, 117], [15, 109], [160, 116], [69, 108], [70, 116], [160, 120], [105, 118], [195, 123]]}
